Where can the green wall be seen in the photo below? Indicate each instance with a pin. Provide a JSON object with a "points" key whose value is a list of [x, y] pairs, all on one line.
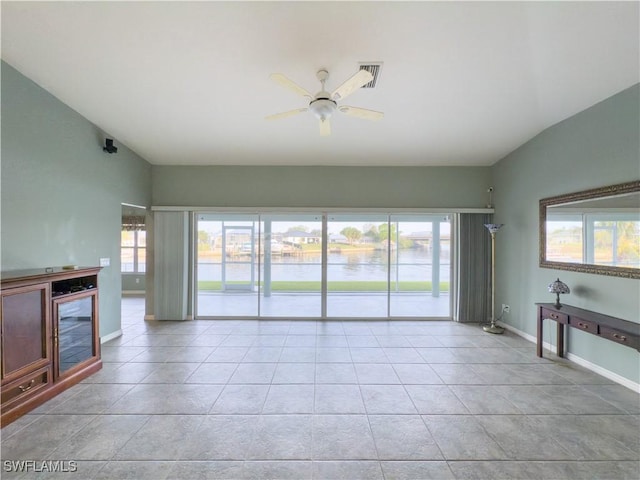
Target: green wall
{"points": [[61, 194], [371, 187], [134, 282], [597, 147]]}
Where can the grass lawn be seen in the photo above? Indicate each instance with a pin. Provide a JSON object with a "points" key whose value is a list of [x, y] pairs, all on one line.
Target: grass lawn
{"points": [[336, 286]]}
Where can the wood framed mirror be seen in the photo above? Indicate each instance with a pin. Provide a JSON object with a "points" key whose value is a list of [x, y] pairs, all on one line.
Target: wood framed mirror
{"points": [[593, 231]]}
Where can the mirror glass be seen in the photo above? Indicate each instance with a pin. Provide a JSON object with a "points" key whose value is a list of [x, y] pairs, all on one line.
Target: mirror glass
{"points": [[595, 231]]}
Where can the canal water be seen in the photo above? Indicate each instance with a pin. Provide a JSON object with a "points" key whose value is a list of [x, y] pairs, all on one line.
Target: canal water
{"points": [[414, 265]]}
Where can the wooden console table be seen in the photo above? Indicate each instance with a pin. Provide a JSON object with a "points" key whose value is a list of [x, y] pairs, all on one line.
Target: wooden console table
{"points": [[614, 329]]}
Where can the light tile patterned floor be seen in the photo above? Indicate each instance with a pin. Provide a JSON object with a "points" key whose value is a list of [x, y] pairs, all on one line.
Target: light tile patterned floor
{"points": [[330, 400]]}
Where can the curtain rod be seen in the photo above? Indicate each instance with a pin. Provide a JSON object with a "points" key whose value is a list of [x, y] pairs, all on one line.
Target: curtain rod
{"points": [[171, 208]]}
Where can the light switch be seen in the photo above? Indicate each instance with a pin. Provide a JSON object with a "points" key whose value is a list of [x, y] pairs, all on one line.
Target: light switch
{"points": [[105, 262]]}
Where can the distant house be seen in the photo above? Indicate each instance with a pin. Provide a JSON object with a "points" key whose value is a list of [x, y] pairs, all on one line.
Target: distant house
{"points": [[298, 237], [424, 239], [338, 238], [239, 236]]}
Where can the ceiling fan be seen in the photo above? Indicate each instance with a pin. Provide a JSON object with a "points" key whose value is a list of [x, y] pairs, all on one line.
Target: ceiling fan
{"points": [[323, 103]]}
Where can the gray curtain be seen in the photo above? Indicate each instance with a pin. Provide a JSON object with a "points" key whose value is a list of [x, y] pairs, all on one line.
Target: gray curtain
{"points": [[474, 271], [171, 257]]}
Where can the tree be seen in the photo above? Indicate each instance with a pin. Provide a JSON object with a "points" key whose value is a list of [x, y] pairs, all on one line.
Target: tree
{"points": [[626, 234], [371, 232], [203, 237], [352, 234], [383, 230]]}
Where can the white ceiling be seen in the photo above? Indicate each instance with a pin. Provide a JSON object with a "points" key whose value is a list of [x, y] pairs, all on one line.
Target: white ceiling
{"points": [[463, 83]]}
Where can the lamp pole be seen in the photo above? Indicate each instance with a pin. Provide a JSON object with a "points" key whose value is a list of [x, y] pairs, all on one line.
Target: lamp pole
{"points": [[493, 328]]}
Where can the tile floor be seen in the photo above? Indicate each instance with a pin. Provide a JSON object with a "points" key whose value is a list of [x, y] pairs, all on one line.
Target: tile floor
{"points": [[329, 400]]}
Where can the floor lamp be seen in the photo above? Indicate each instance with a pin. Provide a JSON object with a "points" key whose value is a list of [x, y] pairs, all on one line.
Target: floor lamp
{"points": [[493, 328]]}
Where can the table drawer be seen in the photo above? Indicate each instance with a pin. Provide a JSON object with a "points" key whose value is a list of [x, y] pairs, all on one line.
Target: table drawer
{"points": [[554, 315], [26, 386], [585, 325], [618, 336]]}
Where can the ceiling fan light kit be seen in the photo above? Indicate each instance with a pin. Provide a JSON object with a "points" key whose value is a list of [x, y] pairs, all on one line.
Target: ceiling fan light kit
{"points": [[322, 108], [323, 104]]}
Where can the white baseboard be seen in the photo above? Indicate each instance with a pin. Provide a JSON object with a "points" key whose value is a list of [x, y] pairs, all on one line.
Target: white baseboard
{"points": [[111, 336], [579, 360], [625, 382]]}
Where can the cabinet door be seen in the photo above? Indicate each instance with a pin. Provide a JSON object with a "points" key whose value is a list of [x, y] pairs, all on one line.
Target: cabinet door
{"points": [[74, 333], [25, 330]]}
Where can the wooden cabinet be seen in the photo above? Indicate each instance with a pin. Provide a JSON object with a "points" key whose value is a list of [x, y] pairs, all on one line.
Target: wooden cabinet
{"points": [[26, 328], [48, 335]]}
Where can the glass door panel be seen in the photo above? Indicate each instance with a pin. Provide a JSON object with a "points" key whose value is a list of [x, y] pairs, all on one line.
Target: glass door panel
{"points": [[238, 263], [74, 331], [420, 266], [612, 239], [565, 238], [227, 261], [291, 267], [357, 265]]}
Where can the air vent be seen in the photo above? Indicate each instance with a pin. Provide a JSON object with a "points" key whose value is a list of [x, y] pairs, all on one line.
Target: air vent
{"points": [[373, 69]]}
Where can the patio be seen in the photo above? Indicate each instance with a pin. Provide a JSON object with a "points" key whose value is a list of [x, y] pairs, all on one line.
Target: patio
{"points": [[308, 305]]}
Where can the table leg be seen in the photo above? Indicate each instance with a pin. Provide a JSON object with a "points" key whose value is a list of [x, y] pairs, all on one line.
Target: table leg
{"points": [[560, 347], [539, 344]]}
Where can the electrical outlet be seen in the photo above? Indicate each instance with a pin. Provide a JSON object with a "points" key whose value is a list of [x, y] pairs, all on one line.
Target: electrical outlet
{"points": [[506, 308]]}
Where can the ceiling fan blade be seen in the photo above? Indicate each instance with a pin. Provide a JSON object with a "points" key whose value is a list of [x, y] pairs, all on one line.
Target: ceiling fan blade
{"points": [[325, 128], [290, 84], [359, 79], [361, 113], [290, 113]]}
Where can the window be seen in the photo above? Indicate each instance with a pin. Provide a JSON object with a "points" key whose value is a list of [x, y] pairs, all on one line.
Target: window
{"points": [[613, 239], [565, 238], [594, 238], [133, 245]]}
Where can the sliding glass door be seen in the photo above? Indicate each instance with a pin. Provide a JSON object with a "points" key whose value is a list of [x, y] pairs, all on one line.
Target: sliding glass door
{"points": [[322, 265], [227, 274], [291, 266], [420, 265], [357, 265]]}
